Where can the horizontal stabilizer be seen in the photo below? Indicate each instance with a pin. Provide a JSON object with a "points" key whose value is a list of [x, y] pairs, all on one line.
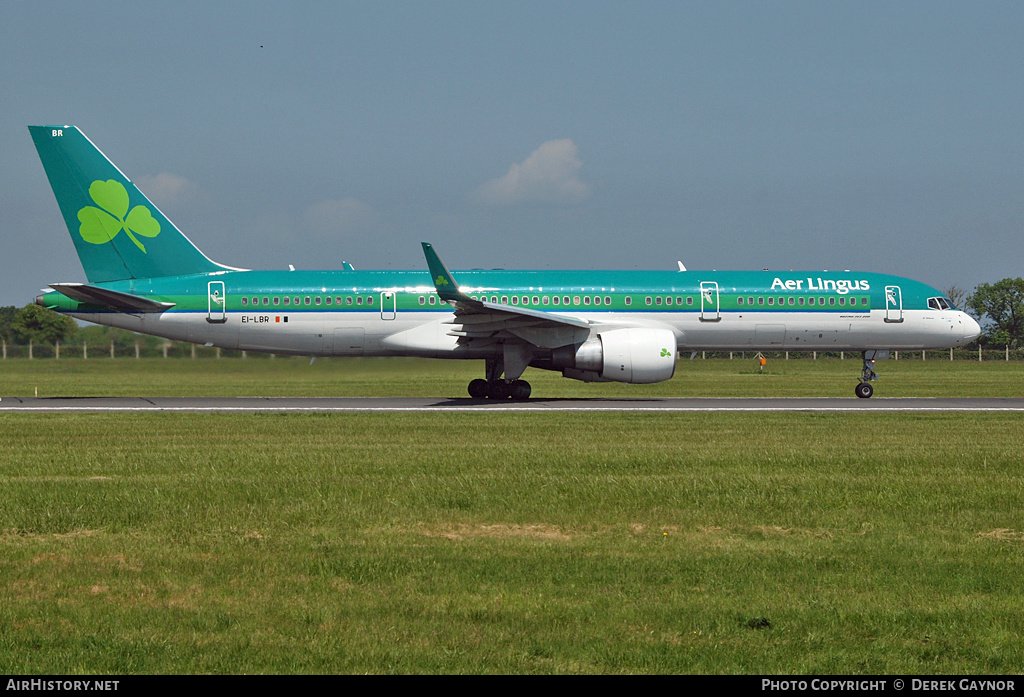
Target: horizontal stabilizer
{"points": [[112, 299]]}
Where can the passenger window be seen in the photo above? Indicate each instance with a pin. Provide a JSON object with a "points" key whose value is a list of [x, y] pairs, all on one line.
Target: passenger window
{"points": [[576, 300], [792, 300], [318, 300], [586, 299], [739, 301], [423, 301], [800, 301], [245, 301], [337, 300], [432, 300], [750, 301], [545, 299], [369, 300], [554, 299], [565, 300], [607, 300], [306, 301], [689, 300], [832, 301], [647, 300], [629, 300], [657, 300], [359, 300], [536, 300], [679, 301], [760, 300], [515, 299], [504, 300], [771, 301], [348, 300], [277, 300]]}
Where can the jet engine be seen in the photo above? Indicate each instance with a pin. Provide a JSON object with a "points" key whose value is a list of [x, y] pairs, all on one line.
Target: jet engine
{"points": [[634, 355]]}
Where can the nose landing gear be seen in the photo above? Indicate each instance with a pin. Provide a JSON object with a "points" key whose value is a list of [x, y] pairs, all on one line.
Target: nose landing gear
{"points": [[864, 390]]}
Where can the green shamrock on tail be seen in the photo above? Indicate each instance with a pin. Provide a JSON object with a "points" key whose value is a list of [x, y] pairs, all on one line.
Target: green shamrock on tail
{"points": [[665, 352], [101, 225], [441, 281]]}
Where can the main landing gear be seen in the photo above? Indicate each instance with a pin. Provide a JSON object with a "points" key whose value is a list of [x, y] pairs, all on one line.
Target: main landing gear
{"points": [[864, 390], [497, 387]]}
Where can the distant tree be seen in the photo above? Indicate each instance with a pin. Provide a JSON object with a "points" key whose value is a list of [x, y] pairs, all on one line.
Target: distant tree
{"points": [[98, 335], [1000, 308], [37, 324], [957, 296], [7, 314]]}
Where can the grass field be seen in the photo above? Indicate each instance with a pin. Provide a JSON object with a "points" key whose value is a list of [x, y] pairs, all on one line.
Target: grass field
{"points": [[508, 543]]}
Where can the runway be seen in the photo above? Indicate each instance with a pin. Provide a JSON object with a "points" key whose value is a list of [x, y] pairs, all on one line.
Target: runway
{"points": [[421, 404]]}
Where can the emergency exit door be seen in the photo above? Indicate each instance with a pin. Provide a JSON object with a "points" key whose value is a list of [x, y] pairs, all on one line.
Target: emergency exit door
{"points": [[709, 309], [216, 302]]}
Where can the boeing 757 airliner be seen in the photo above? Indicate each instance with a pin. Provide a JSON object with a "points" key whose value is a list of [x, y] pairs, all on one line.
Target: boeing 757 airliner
{"points": [[626, 326]]}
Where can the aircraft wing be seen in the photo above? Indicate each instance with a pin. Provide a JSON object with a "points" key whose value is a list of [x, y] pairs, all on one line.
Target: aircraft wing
{"points": [[111, 299], [480, 321]]}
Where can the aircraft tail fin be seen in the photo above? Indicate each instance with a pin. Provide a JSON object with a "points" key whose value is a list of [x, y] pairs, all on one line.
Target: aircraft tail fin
{"points": [[118, 232]]}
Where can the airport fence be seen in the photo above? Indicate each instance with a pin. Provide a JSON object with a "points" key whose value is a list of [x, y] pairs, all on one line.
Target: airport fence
{"points": [[1002, 353], [120, 349], [147, 348]]}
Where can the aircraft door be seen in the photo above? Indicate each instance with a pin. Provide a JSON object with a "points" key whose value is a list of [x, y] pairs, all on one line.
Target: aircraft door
{"points": [[216, 303], [893, 304], [709, 309], [388, 305]]}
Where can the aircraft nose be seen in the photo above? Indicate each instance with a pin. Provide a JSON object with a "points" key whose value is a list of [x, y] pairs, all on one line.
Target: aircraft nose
{"points": [[972, 330]]}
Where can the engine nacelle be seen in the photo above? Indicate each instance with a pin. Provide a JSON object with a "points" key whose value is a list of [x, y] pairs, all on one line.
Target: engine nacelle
{"points": [[634, 355]]}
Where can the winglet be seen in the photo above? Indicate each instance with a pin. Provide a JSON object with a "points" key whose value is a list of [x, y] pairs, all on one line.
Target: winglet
{"points": [[443, 280]]}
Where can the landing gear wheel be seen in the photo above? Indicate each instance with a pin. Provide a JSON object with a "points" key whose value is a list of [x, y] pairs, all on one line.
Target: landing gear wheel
{"points": [[521, 390], [864, 390], [478, 389], [499, 389]]}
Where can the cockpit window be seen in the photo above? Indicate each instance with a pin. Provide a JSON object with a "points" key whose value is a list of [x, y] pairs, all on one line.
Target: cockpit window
{"points": [[939, 304]]}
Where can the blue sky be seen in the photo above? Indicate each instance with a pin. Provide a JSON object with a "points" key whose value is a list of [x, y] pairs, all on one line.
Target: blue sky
{"points": [[801, 135]]}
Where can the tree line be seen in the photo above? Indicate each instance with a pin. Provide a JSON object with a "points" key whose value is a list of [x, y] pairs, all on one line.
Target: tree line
{"points": [[999, 307]]}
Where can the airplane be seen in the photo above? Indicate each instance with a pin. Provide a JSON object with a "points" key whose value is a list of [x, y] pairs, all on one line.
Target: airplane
{"points": [[144, 275]]}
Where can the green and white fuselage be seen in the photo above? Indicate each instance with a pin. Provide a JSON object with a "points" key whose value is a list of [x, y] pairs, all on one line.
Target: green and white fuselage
{"points": [[400, 313], [590, 325]]}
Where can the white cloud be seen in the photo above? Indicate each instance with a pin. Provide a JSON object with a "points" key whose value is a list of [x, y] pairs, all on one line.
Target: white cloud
{"points": [[345, 217], [166, 189], [548, 175]]}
